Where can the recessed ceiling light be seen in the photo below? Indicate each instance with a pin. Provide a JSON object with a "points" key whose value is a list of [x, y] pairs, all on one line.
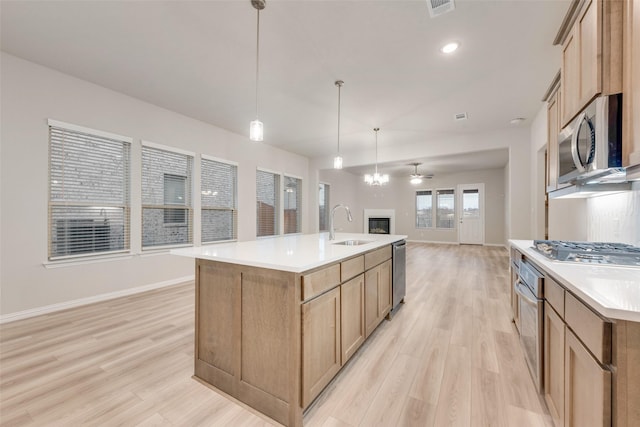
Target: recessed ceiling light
{"points": [[517, 120], [450, 47]]}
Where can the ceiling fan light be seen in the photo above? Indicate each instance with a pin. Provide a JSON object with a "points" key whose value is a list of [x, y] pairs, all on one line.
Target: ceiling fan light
{"points": [[416, 180], [256, 131]]}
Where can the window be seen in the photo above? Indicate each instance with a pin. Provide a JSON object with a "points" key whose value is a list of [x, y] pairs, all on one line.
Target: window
{"points": [[268, 203], [445, 214], [88, 191], [471, 204], [292, 205], [175, 193], [323, 202], [218, 195], [166, 197], [424, 209]]}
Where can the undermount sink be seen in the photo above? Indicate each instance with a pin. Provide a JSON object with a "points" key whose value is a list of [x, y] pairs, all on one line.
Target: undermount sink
{"points": [[353, 242]]}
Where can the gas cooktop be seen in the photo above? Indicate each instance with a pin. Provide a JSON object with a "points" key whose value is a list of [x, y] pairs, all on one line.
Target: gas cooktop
{"points": [[589, 252]]}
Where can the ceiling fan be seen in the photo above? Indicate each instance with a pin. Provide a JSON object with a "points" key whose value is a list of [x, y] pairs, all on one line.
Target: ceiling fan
{"points": [[416, 178]]}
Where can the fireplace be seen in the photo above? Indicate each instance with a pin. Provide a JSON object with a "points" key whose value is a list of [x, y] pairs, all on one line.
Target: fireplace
{"points": [[379, 221], [379, 225]]}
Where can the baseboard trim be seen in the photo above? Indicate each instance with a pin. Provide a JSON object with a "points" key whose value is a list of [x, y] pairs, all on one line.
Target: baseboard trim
{"points": [[454, 243], [47, 309], [433, 241]]}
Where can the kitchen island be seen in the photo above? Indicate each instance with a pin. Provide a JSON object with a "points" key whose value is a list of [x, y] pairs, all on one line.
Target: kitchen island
{"points": [[277, 318]]}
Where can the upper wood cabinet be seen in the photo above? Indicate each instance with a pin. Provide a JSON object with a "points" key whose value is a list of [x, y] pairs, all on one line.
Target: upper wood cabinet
{"points": [[553, 129], [631, 83], [591, 40]]}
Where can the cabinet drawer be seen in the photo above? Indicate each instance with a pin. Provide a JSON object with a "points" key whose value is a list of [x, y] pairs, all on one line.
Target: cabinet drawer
{"points": [[351, 268], [373, 258], [319, 281], [554, 294], [590, 328]]}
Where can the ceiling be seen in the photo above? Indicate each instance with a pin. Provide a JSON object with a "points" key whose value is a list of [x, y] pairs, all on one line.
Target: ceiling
{"points": [[197, 58]]}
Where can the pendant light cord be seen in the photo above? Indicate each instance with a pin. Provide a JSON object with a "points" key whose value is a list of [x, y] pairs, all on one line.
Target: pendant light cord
{"points": [[376, 129], [339, 87], [257, 60]]}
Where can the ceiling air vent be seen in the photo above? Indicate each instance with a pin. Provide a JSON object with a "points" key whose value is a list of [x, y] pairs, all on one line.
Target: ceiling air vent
{"points": [[439, 7], [461, 116]]}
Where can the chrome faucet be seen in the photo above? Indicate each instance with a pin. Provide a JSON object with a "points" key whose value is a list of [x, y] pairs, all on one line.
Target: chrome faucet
{"points": [[332, 232]]}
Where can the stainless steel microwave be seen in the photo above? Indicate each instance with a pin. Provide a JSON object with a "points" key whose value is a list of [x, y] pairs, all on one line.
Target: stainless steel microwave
{"points": [[590, 147]]}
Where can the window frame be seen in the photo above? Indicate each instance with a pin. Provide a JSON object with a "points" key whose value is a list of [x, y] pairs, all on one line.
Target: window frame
{"points": [[327, 200], [455, 207], [277, 202], [431, 192], [233, 210], [299, 203], [125, 206], [189, 206]]}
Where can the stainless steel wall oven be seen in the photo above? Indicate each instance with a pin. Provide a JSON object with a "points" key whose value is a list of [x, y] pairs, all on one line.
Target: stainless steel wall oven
{"points": [[529, 290]]}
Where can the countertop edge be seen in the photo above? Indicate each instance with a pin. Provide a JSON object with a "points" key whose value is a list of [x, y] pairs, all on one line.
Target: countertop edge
{"points": [[377, 242], [609, 312]]}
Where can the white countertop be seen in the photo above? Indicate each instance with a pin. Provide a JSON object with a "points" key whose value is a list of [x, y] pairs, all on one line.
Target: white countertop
{"points": [[296, 253], [612, 291]]}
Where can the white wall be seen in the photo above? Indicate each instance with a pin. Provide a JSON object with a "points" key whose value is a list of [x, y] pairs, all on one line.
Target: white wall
{"points": [[31, 94], [517, 174], [344, 190], [399, 195], [538, 172]]}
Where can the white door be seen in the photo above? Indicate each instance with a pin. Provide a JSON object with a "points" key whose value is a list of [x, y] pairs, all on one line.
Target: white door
{"points": [[471, 214]]}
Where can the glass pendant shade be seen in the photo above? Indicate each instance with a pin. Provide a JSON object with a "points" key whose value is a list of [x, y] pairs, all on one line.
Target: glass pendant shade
{"points": [[376, 179], [256, 131], [337, 162]]}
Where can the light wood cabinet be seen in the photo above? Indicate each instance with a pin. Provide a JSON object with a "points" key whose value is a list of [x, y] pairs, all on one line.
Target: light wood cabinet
{"points": [[587, 397], [554, 346], [321, 358], [553, 129], [631, 84], [352, 316], [591, 55], [377, 284]]}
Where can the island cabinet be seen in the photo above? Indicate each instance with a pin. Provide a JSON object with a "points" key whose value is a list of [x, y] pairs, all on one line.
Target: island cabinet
{"points": [[274, 339], [631, 83], [377, 284], [591, 40]]}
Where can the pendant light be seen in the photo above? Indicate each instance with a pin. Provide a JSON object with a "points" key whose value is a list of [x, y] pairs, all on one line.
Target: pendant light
{"points": [[376, 178], [256, 130], [337, 160]]}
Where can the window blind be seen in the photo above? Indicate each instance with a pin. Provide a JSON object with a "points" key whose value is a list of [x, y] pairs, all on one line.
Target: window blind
{"points": [[219, 194], [88, 193], [446, 209], [424, 209], [268, 203], [324, 191], [292, 204], [167, 214]]}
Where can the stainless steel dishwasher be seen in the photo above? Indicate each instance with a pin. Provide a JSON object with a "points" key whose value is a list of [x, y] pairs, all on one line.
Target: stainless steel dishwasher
{"points": [[399, 276]]}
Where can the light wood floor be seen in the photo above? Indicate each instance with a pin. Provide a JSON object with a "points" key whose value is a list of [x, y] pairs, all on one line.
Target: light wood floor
{"points": [[449, 357]]}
